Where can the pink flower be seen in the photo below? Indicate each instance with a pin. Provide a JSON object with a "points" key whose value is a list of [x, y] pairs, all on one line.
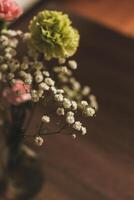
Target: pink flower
{"points": [[18, 93], [9, 10]]}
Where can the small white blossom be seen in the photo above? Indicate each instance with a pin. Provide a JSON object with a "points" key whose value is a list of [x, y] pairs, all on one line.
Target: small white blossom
{"points": [[74, 136], [60, 111], [53, 89], [64, 70], [46, 73], [60, 91], [3, 67], [58, 97], [62, 60], [93, 102], [4, 40], [72, 64], [70, 119], [66, 103], [77, 125], [86, 90], [46, 119], [27, 36], [10, 76], [39, 140], [40, 92], [92, 97], [24, 66], [11, 51], [28, 78], [34, 95], [8, 56], [83, 130], [44, 86], [13, 43], [74, 105], [39, 78], [12, 33], [90, 112], [83, 104], [70, 113], [19, 32], [38, 65], [49, 81], [75, 84], [23, 74]]}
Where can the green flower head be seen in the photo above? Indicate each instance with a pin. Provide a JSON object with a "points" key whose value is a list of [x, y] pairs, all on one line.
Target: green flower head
{"points": [[52, 34]]}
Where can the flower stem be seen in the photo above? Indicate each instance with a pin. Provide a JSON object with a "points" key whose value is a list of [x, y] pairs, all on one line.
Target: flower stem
{"points": [[3, 24]]}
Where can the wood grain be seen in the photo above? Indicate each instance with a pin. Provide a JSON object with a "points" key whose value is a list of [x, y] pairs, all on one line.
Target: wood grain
{"points": [[118, 15], [99, 166]]}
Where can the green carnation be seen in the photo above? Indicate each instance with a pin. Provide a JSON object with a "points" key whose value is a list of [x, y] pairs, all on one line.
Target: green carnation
{"points": [[52, 34]]}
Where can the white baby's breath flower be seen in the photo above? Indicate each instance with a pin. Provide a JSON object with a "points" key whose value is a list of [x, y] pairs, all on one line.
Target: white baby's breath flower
{"points": [[49, 81], [70, 119], [22, 74], [10, 76], [83, 130], [60, 111], [86, 90], [39, 140], [64, 70], [38, 65], [92, 97], [12, 33], [28, 78], [60, 91], [46, 73], [76, 86], [27, 36], [74, 136], [8, 56], [72, 64], [58, 97], [34, 95], [24, 66], [70, 113], [46, 119], [39, 78], [28, 81], [53, 89], [66, 103], [44, 86], [77, 125], [93, 102], [83, 104], [19, 32], [3, 67], [90, 112], [61, 60], [40, 92], [74, 105]]}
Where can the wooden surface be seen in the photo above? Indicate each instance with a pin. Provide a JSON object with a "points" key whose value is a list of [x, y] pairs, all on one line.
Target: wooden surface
{"points": [[117, 14], [99, 166]]}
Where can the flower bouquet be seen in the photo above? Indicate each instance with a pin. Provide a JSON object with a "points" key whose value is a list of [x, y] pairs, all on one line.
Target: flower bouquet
{"points": [[36, 72]]}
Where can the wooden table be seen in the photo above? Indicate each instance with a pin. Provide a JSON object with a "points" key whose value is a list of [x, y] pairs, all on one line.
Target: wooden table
{"points": [[99, 166], [116, 14]]}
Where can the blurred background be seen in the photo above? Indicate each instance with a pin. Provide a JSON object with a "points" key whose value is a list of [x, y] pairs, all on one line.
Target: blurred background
{"points": [[100, 165], [115, 14]]}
